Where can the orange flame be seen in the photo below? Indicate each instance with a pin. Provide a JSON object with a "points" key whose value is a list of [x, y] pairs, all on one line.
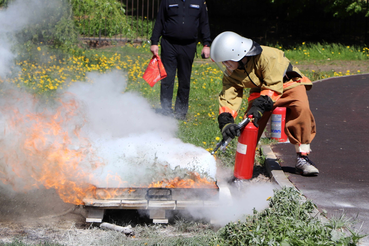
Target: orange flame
{"points": [[46, 149], [195, 181], [43, 154]]}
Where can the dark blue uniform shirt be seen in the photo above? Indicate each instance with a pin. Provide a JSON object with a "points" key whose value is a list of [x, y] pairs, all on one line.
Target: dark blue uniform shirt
{"points": [[182, 21]]}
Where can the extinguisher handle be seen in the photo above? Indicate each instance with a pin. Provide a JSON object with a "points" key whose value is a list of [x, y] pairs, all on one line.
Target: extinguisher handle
{"points": [[244, 123], [222, 145]]}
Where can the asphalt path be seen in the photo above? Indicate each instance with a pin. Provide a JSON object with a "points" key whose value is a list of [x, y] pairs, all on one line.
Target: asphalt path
{"points": [[340, 150]]}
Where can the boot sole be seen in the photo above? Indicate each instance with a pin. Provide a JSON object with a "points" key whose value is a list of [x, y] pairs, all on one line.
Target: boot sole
{"points": [[301, 172]]}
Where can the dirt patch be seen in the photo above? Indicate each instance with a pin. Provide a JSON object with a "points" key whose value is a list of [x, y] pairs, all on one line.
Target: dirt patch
{"points": [[36, 216]]}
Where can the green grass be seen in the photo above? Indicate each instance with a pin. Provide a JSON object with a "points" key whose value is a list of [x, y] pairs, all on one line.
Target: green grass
{"points": [[321, 54], [325, 51], [287, 221]]}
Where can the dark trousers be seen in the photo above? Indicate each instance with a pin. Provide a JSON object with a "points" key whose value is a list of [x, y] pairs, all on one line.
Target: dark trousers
{"points": [[176, 56]]}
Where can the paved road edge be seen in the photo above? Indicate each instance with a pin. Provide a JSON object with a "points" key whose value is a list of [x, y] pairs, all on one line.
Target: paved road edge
{"points": [[277, 175]]}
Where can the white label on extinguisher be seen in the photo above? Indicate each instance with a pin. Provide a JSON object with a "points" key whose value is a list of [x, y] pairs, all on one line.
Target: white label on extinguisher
{"points": [[241, 148], [276, 126]]}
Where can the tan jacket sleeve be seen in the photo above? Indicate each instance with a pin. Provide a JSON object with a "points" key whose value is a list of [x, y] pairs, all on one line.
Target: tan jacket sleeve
{"points": [[272, 67], [230, 98]]}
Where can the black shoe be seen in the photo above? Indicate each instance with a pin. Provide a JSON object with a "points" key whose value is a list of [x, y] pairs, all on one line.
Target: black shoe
{"points": [[180, 116], [305, 166], [165, 112]]}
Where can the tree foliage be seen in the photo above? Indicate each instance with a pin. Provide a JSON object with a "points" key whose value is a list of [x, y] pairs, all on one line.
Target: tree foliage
{"points": [[266, 21], [337, 8], [100, 17], [359, 6]]}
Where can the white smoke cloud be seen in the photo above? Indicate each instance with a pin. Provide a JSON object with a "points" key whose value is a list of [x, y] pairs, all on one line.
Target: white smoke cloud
{"points": [[113, 113], [129, 136], [143, 152], [6, 58], [13, 19], [21, 13], [234, 203]]}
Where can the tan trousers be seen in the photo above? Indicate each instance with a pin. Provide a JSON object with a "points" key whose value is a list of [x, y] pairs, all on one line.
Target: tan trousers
{"points": [[300, 122]]}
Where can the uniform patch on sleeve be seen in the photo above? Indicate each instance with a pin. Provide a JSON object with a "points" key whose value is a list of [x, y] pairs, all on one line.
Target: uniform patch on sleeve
{"points": [[196, 6]]}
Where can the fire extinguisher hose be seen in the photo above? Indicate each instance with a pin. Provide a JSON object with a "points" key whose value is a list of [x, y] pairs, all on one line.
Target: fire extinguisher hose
{"points": [[223, 144]]}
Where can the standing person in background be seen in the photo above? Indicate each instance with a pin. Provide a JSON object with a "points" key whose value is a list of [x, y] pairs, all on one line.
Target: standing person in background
{"points": [[274, 82], [179, 22]]}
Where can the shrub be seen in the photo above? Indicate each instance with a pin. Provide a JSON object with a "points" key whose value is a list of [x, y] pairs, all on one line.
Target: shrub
{"points": [[287, 221], [100, 17]]}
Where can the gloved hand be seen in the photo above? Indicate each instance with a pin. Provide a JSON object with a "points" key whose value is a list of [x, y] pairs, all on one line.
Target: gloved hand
{"points": [[256, 113], [231, 130], [259, 106], [227, 126]]}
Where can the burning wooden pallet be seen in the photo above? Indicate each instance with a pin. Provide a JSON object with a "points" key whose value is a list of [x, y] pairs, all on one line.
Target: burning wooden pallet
{"points": [[156, 200]]}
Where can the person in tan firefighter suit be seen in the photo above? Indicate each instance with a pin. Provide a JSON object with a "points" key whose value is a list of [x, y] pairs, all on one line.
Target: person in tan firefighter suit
{"points": [[274, 82]]}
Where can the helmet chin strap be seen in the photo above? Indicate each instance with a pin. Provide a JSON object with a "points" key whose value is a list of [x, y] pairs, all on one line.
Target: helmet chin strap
{"points": [[241, 65]]}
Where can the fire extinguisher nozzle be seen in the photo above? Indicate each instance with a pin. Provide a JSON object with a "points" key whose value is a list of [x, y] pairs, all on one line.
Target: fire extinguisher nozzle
{"points": [[222, 145]]}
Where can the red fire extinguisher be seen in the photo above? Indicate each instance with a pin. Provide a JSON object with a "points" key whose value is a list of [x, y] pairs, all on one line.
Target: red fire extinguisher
{"points": [[278, 123], [245, 155]]}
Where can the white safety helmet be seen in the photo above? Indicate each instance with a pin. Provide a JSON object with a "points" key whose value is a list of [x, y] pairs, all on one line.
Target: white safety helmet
{"points": [[229, 46]]}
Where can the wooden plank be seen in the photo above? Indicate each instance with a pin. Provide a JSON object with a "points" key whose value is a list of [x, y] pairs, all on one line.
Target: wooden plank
{"points": [[143, 204], [160, 221], [158, 216], [131, 204], [95, 215], [162, 204], [126, 230]]}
